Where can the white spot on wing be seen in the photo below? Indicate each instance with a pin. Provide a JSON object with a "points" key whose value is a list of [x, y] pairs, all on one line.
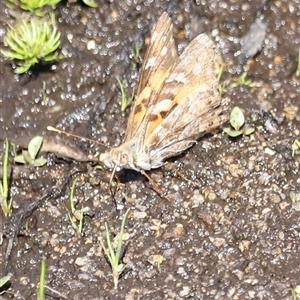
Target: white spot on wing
{"points": [[178, 77], [150, 63], [202, 87], [154, 36], [163, 105], [197, 70], [164, 51]]}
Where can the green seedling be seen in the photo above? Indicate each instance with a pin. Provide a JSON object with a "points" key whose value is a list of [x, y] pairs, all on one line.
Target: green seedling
{"points": [[41, 291], [221, 71], [296, 292], [295, 147], [219, 77], [234, 82], [136, 57], [76, 217], [44, 93], [37, 7], [30, 156], [206, 195], [237, 121], [41, 285], [90, 3], [156, 260], [32, 42], [114, 255], [243, 80], [295, 197], [298, 65], [4, 280], [125, 102], [5, 201]]}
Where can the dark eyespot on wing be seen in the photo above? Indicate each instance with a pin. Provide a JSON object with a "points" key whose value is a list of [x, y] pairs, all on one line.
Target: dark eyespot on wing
{"points": [[152, 118], [138, 108], [163, 114]]}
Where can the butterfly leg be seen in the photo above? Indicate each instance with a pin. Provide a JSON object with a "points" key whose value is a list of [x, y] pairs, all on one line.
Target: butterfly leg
{"points": [[181, 175], [155, 187], [114, 188]]}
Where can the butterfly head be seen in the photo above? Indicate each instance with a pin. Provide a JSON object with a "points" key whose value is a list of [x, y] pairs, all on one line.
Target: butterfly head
{"points": [[126, 156], [115, 158]]}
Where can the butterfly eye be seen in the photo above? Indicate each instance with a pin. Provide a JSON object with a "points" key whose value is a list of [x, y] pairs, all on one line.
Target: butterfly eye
{"points": [[123, 159]]}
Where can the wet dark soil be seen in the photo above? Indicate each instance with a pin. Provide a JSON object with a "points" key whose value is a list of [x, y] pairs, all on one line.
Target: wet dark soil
{"points": [[231, 231]]}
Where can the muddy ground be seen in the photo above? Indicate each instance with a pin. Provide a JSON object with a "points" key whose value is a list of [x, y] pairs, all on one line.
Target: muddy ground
{"points": [[231, 226]]}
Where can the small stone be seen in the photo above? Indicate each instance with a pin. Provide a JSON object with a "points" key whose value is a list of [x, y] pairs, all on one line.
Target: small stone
{"points": [[91, 45], [81, 261], [139, 214], [217, 241], [185, 291], [269, 151], [156, 260]]}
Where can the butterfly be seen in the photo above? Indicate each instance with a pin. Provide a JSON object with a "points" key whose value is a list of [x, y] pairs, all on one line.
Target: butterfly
{"points": [[177, 102]]}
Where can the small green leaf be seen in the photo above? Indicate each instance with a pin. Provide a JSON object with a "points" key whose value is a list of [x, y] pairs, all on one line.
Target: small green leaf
{"points": [[295, 147], [39, 162], [90, 3], [235, 133], [27, 157], [34, 146], [237, 118], [125, 101], [248, 131], [41, 288], [221, 71], [297, 289], [232, 133], [298, 65], [20, 159], [243, 80], [4, 280]]}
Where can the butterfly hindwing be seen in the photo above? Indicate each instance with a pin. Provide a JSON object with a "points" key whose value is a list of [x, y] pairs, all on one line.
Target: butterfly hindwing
{"points": [[191, 93]]}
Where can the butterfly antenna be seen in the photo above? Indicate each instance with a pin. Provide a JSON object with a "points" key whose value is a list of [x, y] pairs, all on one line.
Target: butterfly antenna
{"points": [[50, 128]]}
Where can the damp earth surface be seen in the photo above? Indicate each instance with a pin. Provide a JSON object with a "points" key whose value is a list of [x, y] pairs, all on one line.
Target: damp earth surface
{"points": [[226, 223]]}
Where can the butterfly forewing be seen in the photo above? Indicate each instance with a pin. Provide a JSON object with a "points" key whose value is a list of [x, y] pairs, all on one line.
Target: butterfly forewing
{"points": [[159, 59]]}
